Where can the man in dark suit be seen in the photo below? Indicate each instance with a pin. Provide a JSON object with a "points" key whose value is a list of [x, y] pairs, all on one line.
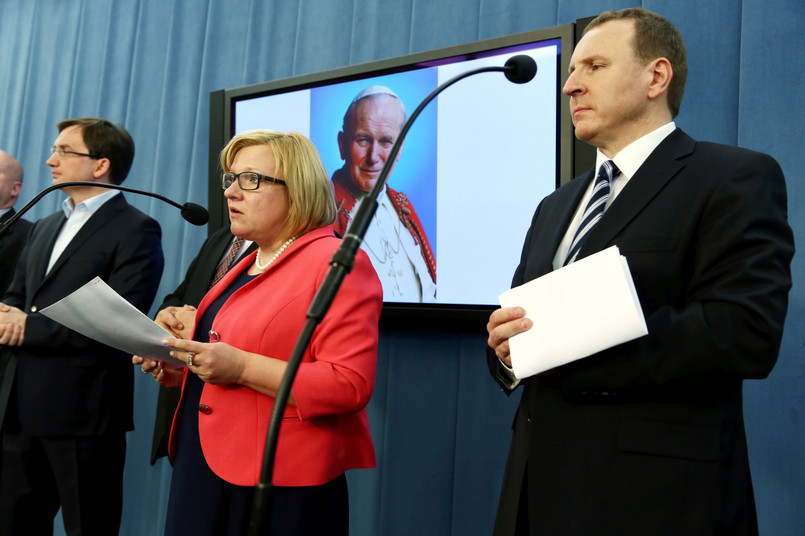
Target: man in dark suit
{"points": [[12, 240], [648, 436], [66, 400], [178, 311]]}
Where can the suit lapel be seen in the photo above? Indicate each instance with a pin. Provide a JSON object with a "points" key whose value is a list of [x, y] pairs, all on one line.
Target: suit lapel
{"points": [[42, 245], [7, 216], [208, 266], [666, 161], [5, 236], [96, 222], [8, 232], [557, 216]]}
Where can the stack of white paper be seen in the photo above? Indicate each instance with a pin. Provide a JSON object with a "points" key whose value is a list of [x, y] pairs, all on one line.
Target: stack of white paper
{"points": [[96, 311], [585, 307]]}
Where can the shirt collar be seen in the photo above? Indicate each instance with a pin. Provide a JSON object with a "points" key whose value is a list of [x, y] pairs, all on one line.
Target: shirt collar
{"points": [[91, 205], [631, 157], [360, 194]]}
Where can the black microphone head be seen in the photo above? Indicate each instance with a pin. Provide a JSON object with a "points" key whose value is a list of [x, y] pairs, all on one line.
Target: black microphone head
{"points": [[520, 69], [195, 214]]}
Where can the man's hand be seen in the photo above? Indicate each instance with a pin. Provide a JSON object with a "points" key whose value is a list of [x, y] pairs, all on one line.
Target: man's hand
{"points": [[503, 324], [165, 376], [12, 325], [178, 320]]}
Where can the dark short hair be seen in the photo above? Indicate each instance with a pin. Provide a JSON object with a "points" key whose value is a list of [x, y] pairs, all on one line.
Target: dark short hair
{"points": [[106, 140], [655, 37]]}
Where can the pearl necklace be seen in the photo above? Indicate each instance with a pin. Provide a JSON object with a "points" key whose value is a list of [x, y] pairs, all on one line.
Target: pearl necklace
{"points": [[262, 267]]}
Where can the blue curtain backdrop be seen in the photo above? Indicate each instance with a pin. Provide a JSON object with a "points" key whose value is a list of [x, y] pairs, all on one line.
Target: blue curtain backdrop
{"points": [[441, 428]]}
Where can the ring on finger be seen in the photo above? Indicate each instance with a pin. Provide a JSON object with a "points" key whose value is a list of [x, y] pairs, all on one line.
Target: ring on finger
{"points": [[190, 359]]}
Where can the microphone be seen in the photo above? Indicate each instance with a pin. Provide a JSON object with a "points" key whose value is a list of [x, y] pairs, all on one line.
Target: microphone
{"points": [[193, 213], [518, 69]]}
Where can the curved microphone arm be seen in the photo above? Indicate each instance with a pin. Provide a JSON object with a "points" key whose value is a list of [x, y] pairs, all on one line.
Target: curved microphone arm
{"points": [[518, 69], [193, 213]]}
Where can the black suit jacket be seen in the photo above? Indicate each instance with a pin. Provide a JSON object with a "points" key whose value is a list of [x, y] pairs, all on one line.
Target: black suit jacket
{"points": [[189, 292], [12, 241], [60, 383], [648, 437]]}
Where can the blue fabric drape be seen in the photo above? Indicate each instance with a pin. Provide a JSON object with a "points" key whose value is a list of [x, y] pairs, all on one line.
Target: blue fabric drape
{"points": [[441, 427]]}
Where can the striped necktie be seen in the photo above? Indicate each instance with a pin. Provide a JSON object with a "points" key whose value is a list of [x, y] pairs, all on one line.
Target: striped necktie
{"points": [[594, 210], [226, 263]]}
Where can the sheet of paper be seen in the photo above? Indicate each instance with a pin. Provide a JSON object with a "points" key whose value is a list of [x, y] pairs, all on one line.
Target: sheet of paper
{"points": [[581, 309], [98, 312]]}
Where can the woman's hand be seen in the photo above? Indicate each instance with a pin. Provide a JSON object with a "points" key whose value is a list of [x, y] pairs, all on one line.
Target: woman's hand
{"points": [[217, 363], [166, 376]]}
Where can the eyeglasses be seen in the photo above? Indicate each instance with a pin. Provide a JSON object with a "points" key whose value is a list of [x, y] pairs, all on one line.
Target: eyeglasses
{"points": [[62, 153], [248, 180]]}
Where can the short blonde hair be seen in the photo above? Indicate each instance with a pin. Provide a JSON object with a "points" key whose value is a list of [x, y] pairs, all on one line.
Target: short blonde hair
{"points": [[310, 191]]}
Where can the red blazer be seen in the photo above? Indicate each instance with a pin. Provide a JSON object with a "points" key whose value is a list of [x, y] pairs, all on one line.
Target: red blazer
{"points": [[328, 432]]}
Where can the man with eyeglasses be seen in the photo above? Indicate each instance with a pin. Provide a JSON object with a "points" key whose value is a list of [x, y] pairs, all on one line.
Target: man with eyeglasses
{"points": [[66, 402], [395, 241]]}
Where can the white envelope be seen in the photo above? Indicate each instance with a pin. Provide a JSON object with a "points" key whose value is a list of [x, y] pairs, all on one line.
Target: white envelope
{"points": [[578, 310]]}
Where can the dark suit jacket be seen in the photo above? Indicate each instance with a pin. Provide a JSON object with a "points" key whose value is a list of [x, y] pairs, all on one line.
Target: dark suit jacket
{"points": [[11, 243], [189, 292], [648, 437], [61, 383], [12, 240]]}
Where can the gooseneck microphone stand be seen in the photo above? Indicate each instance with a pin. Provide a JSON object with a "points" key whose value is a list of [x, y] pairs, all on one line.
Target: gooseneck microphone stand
{"points": [[518, 69], [193, 213]]}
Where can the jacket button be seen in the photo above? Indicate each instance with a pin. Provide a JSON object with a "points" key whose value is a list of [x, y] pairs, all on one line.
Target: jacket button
{"points": [[214, 337], [34, 308], [205, 409]]}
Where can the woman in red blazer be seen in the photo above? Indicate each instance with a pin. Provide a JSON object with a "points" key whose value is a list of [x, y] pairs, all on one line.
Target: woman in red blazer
{"points": [[279, 196]]}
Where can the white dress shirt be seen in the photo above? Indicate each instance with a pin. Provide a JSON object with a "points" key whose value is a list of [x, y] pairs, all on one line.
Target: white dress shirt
{"points": [[628, 161], [77, 216]]}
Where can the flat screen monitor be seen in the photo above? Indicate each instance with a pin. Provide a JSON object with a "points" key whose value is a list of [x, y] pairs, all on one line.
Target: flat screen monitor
{"points": [[473, 167]]}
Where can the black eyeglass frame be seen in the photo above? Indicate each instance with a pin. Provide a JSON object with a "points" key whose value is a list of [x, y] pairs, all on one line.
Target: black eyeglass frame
{"points": [[62, 152], [228, 178]]}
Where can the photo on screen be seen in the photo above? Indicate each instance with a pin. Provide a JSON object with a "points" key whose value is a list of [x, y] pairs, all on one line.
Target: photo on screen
{"points": [[473, 168]]}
